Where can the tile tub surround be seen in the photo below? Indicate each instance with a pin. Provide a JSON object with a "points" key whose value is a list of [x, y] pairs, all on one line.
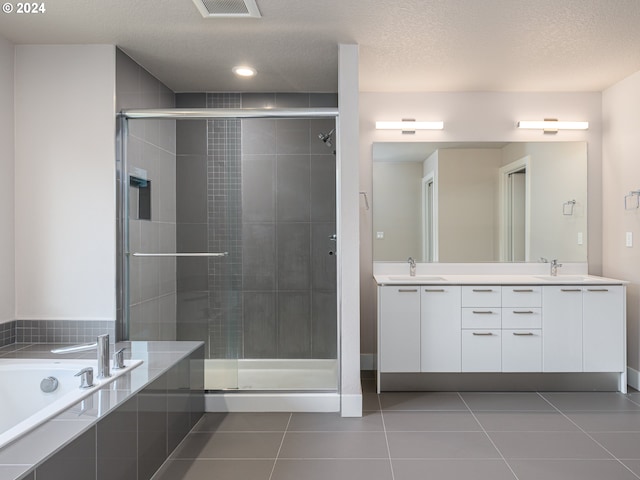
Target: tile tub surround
{"points": [[411, 436], [133, 424]]}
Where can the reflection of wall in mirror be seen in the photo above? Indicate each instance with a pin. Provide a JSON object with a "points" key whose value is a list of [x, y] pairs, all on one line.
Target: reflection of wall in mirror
{"points": [[468, 204], [557, 174], [398, 215]]}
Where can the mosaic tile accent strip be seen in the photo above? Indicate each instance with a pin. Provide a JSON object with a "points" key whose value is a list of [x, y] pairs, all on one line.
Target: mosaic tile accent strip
{"points": [[224, 224], [7, 333], [62, 331]]}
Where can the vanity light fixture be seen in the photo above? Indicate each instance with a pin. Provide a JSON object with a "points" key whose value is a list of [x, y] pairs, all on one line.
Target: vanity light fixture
{"points": [[244, 71], [552, 125], [409, 125]]}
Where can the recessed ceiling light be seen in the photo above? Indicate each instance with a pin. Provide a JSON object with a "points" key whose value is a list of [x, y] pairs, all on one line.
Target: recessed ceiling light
{"points": [[244, 71]]}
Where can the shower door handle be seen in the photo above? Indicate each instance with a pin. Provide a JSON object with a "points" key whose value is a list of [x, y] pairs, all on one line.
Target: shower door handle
{"points": [[205, 254]]}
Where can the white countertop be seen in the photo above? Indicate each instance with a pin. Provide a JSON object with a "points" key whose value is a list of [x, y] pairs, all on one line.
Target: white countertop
{"points": [[492, 279]]}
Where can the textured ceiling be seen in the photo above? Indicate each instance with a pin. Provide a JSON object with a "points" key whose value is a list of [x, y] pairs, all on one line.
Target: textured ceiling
{"points": [[408, 45]]}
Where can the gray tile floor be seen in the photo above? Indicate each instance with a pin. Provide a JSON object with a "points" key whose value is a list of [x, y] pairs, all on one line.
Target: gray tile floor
{"points": [[435, 436]]}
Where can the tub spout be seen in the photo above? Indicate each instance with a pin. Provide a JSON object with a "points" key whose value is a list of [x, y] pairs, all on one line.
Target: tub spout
{"points": [[101, 344]]}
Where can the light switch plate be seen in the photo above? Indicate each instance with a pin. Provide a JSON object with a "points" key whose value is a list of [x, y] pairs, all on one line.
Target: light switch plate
{"points": [[379, 235], [629, 239], [580, 240]]}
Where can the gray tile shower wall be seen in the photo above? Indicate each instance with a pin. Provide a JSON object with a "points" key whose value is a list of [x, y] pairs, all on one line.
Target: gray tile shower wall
{"points": [[270, 202], [152, 149]]}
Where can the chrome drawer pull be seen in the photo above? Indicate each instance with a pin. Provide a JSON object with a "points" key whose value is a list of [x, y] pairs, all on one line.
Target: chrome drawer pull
{"points": [[404, 290], [570, 290], [598, 289], [487, 334], [434, 289], [528, 334], [523, 312], [483, 312], [482, 290], [523, 290]]}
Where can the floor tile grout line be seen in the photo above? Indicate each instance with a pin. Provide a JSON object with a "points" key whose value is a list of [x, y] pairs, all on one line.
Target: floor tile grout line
{"points": [[284, 434], [632, 400], [489, 437], [386, 438], [587, 434]]}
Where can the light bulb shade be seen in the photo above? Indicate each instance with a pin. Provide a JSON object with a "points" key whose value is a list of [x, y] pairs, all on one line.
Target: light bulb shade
{"points": [[244, 71], [552, 125], [409, 125]]}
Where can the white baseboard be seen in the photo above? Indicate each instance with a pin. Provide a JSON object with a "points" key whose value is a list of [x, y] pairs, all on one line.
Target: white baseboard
{"points": [[368, 361], [633, 378], [273, 402]]}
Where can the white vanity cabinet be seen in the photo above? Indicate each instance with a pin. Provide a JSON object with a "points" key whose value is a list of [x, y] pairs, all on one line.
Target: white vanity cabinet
{"points": [[584, 328], [399, 328], [440, 329], [481, 328], [603, 335], [562, 327], [522, 328], [515, 328]]}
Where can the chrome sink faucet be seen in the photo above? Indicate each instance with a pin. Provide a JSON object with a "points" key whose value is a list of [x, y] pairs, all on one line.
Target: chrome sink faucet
{"points": [[102, 346], [554, 267], [412, 266]]}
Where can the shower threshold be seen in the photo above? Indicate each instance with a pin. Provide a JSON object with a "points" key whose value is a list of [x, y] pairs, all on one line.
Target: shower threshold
{"points": [[272, 374]]}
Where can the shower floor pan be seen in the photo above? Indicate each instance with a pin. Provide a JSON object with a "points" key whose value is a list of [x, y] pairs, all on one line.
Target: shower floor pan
{"points": [[271, 375]]}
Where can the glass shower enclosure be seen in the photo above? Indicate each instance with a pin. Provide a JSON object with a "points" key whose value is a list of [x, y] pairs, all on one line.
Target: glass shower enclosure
{"points": [[227, 235]]}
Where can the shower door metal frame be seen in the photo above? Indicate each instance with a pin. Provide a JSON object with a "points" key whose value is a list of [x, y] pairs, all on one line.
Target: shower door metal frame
{"points": [[122, 323]]}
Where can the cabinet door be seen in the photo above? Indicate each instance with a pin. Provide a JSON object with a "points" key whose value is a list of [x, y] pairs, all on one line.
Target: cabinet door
{"points": [[440, 332], [603, 327], [562, 328], [399, 317], [481, 351], [522, 350]]}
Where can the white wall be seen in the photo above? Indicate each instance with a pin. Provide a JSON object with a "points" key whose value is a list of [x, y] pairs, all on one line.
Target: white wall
{"points": [[348, 230], [7, 246], [65, 182], [475, 117], [620, 175]]}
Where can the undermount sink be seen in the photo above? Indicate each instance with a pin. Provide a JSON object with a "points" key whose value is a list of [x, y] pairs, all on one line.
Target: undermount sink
{"points": [[564, 278], [421, 278]]}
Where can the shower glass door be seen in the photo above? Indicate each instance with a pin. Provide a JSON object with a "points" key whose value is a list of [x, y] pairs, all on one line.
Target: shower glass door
{"points": [[231, 241]]}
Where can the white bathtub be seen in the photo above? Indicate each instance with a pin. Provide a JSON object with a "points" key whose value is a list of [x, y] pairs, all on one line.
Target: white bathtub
{"points": [[23, 405]]}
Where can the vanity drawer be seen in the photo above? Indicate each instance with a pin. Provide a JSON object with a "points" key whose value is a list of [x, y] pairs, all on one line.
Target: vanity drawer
{"points": [[522, 317], [481, 296], [481, 351], [481, 317], [522, 296]]}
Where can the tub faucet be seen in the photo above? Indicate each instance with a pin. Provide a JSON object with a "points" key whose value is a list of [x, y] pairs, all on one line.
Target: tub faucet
{"points": [[554, 267], [102, 346], [412, 266]]}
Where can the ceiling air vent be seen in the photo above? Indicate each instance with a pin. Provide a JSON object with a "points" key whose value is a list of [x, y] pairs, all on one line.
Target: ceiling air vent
{"points": [[228, 8]]}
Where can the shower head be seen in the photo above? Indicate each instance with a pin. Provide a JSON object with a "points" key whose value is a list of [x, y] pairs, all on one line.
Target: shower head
{"points": [[326, 138]]}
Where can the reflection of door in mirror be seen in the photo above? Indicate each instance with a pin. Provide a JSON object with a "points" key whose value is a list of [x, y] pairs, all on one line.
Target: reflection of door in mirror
{"points": [[514, 217], [516, 193], [429, 219]]}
